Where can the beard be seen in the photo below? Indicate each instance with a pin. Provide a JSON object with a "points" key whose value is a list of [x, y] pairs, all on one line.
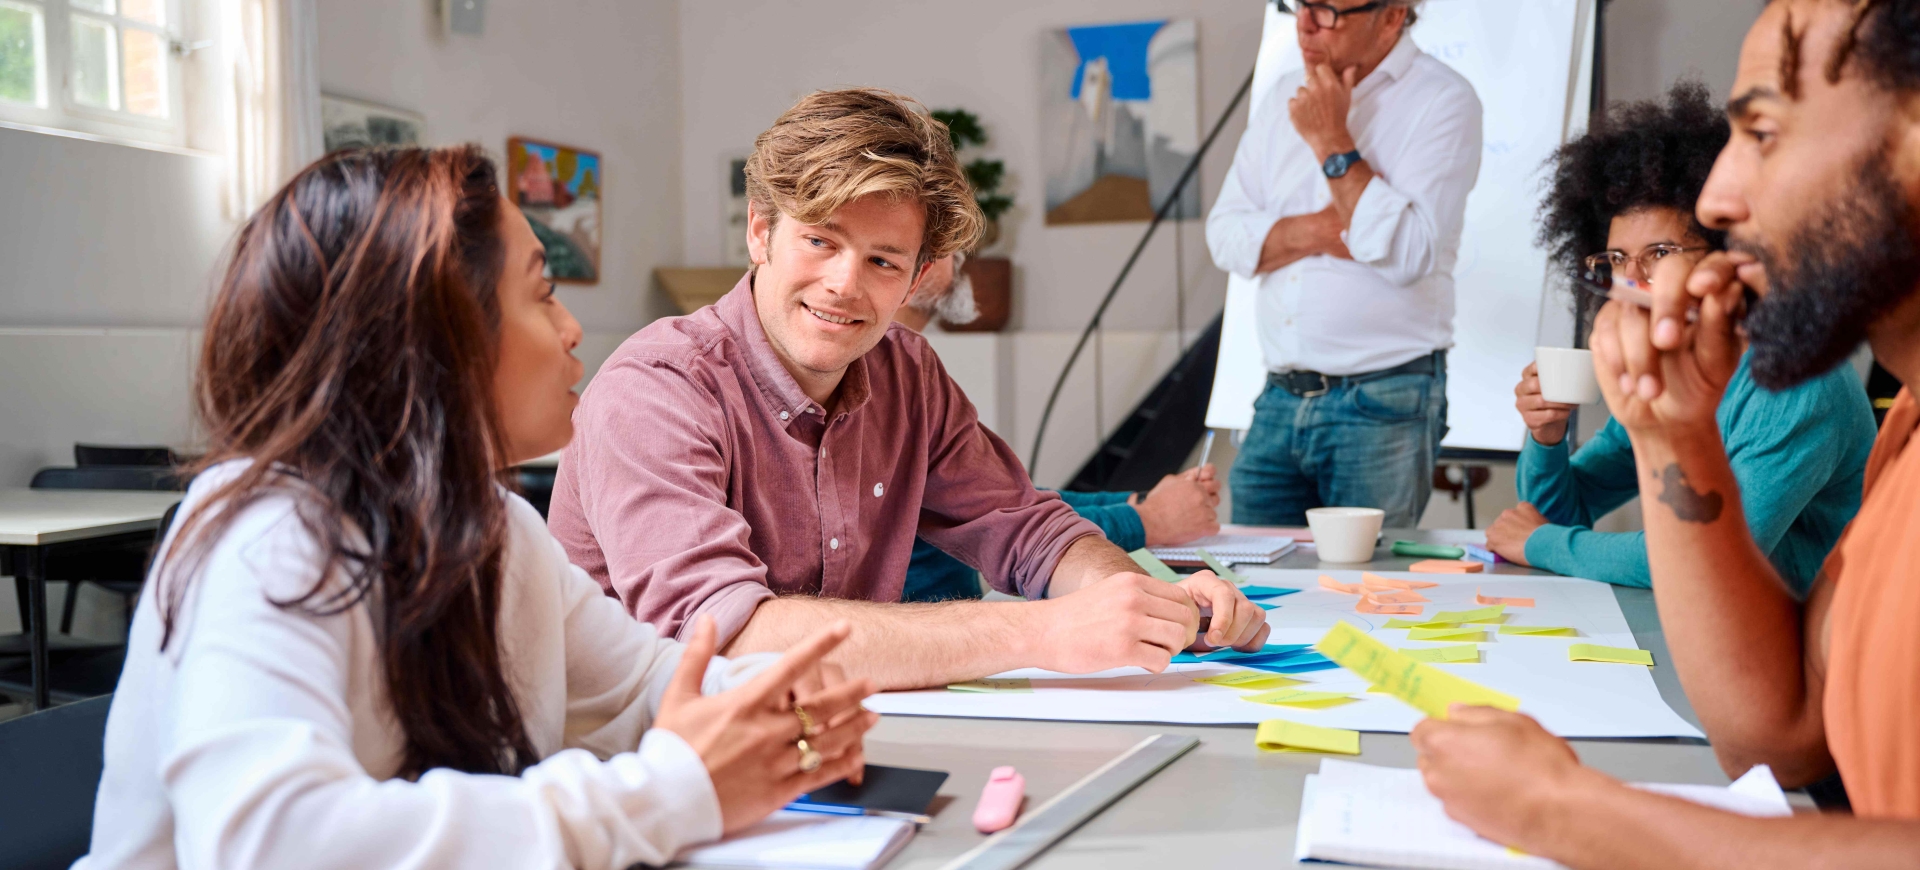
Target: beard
{"points": [[1850, 262]]}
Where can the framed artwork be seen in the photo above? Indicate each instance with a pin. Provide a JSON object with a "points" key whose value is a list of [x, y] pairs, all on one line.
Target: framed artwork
{"points": [[1120, 119], [733, 232], [558, 188], [349, 123]]}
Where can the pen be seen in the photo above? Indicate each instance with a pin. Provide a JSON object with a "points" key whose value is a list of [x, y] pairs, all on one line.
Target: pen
{"points": [[1206, 447], [844, 810]]}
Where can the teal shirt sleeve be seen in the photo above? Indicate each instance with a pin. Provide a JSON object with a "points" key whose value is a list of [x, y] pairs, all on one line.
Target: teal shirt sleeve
{"points": [[1110, 511], [1575, 491]]}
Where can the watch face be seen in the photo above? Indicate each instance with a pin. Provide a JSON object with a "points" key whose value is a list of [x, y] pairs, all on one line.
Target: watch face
{"points": [[1338, 164]]}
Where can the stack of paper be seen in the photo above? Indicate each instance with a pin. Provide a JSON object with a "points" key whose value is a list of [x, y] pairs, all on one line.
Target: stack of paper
{"points": [[805, 841], [1231, 549], [1384, 816]]}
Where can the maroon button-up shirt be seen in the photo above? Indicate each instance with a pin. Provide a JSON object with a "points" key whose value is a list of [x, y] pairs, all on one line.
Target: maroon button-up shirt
{"points": [[701, 479]]}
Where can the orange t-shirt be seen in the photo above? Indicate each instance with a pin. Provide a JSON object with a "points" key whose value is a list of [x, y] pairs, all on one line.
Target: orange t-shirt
{"points": [[1872, 702]]}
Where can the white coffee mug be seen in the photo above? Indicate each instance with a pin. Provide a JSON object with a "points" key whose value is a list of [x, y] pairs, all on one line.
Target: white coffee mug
{"points": [[1566, 375], [1345, 534]]}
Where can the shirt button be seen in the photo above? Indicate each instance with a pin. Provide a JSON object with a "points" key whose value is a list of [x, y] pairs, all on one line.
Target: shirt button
{"points": [[835, 543], [784, 415], [879, 489]]}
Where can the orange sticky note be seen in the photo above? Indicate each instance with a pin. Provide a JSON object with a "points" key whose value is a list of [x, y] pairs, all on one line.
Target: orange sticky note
{"points": [[1337, 586], [1377, 582], [1484, 598], [1402, 596], [1368, 605], [1446, 566]]}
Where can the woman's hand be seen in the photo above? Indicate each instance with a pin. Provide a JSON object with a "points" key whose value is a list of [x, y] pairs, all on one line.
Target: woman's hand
{"points": [[748, 737], [1546, 420]]}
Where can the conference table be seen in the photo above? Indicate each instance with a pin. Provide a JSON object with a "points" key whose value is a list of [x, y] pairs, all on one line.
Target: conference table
{"points": [[1225, 804], [37, 523]]}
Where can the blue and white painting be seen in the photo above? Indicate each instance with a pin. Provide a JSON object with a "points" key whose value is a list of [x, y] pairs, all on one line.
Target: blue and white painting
{"points": [[1120, 120]]}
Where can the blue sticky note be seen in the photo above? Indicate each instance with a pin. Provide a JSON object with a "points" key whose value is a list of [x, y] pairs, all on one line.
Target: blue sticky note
{"points": [[1290, 667], [1272, 652], [1265, 606], [1266, 591]]}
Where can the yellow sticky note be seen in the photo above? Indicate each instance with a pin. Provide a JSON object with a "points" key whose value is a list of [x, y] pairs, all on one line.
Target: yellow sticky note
{"points": [[1540, 630], [1376, 690], [1419, 623], [1444, 654], [1425, 688], [1250, 680], [1014, 685], [1155, 568], [1483, 614], [1587, 652], [1299, 698], [1279, 735], [1450, 635]]}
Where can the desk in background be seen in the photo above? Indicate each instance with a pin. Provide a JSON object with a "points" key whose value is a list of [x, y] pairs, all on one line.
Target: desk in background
{"points": [[35, 523], [1225, 804]]}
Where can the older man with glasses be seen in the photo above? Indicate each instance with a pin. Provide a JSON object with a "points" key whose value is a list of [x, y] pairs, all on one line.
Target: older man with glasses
{"points": [[1623, 201], [1346, 201]]}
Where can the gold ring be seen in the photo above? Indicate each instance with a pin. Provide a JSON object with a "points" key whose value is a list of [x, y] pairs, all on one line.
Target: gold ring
{"points": [[809, 757], [806, 722]]}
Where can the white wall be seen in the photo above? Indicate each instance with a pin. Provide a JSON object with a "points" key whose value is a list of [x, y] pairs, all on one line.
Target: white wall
{"points": [[745, 61], [595, 74], [1650, 43]]}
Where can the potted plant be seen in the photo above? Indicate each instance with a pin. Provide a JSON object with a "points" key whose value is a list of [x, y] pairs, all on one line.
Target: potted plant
{"points": [[991, 277]]}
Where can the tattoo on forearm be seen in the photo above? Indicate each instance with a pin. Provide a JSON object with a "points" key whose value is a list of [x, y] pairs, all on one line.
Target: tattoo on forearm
{"points": [[1689, 504]]}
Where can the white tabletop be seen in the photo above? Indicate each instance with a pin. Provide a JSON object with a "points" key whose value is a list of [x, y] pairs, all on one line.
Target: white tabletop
{"points": [[30, 517]]}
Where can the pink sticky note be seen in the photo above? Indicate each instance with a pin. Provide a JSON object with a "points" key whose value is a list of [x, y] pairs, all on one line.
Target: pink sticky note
{"points": [[1402, 596], [1337, 586], [1379, 583], [1446, 566], [1484, 598], [1369, 605]]}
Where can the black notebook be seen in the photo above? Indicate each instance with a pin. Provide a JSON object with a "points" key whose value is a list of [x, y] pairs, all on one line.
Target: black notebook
{"points": [[895, 789]]}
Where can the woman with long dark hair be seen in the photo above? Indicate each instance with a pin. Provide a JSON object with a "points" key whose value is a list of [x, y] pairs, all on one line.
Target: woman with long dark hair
{"points": [[357, 648]]}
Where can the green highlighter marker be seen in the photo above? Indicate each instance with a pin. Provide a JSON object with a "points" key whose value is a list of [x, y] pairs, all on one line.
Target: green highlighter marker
{"points": [[1427, 551]]}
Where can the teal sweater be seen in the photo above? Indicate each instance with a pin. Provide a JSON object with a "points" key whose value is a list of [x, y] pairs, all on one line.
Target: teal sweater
{"points": [[1799, 456], [932, 575]]}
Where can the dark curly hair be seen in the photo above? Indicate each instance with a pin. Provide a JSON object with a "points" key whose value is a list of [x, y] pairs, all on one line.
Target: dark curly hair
{"points": [[1649, 154], [1884, 37]]}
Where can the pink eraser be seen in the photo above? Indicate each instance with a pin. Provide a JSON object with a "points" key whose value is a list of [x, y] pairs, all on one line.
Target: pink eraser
{"points": [[1000, 800]]}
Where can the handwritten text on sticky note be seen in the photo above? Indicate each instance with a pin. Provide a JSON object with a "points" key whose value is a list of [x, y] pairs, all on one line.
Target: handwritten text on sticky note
{"points": [[1425, 688]]}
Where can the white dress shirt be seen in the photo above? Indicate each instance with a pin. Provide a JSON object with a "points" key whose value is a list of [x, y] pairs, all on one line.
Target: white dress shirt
{"points": [[262, 737], [1417, 123]]}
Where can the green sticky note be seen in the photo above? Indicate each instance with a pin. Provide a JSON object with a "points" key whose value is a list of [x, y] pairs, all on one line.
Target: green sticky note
{"points": [[1427, 551], [1299, 698], [1449, 635], [1483, 614], [1220, 569], [1587, 652], [1250, 680], [1455, 655], [1419, 623], [1279, 735], [1540, 630], [1424, 687], [1012, 685], [1153, 566]]}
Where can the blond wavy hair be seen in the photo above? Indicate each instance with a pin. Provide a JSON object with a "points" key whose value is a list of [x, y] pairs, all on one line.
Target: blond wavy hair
{"points": [[834, 147]]}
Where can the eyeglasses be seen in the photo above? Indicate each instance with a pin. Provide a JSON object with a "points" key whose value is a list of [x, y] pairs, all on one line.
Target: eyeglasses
{"points": [[1604, 264], [1326, 16]]}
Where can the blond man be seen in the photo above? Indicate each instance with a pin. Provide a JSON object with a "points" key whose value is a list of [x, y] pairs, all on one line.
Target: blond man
{"points": [[769, 459]]}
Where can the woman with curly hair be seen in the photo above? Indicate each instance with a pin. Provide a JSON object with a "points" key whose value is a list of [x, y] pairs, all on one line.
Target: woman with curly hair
{"points": [[358, 648], [1623, 199]]}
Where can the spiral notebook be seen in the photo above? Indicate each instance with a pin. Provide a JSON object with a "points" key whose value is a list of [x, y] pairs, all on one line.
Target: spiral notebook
{"points": [[805, 841], [1231, 549]]}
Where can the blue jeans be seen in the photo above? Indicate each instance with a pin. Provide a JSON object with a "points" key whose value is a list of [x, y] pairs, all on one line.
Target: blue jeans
{"points": [[1371, 442]]}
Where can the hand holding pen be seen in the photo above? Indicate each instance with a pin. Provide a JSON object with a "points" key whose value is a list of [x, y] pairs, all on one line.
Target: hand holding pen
{"points": [[1667, 364]]}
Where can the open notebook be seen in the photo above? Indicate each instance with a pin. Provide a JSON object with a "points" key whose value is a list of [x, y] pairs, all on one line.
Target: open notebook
{"points": [[1231, 549], [805, 841], [1385, 817]]}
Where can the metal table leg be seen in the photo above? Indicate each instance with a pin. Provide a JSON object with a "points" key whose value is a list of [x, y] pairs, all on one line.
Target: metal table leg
{"points": [[29, 567]]}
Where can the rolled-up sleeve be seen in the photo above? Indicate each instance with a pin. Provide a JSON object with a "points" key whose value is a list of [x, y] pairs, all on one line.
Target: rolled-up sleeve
{"points": [[1401, 224], [1244, 213], [655, 446], [979, 504]]}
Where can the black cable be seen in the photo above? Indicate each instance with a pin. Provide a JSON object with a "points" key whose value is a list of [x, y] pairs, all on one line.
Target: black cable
{"points": [[1193, 166]]}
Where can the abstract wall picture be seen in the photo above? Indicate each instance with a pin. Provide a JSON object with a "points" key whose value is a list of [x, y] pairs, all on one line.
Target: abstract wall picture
{"points": [[1120, 119], [734, 220], [351, 123], [558, 188]]}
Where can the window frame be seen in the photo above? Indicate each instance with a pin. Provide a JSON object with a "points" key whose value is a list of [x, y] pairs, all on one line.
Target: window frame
{"points": [[58, 106]]}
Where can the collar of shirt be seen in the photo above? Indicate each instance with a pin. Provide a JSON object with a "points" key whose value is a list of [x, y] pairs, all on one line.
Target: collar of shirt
{"points": [[1392, 68], [781, 394]]}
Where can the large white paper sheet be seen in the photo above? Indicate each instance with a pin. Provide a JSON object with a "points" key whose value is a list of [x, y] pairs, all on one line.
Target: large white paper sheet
{"points": [[1571, 699]]}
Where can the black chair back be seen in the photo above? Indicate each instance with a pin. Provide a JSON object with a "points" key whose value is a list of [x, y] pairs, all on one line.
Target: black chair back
{"points": [[114, 454], [536, 485], [52, 762], [157, 478]]}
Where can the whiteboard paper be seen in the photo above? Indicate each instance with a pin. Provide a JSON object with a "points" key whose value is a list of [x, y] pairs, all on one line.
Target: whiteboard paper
{"points": [[1571, 699]]}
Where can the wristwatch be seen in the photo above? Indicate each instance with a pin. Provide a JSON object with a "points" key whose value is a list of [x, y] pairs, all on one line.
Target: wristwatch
{"points": [[1337, 165]]}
